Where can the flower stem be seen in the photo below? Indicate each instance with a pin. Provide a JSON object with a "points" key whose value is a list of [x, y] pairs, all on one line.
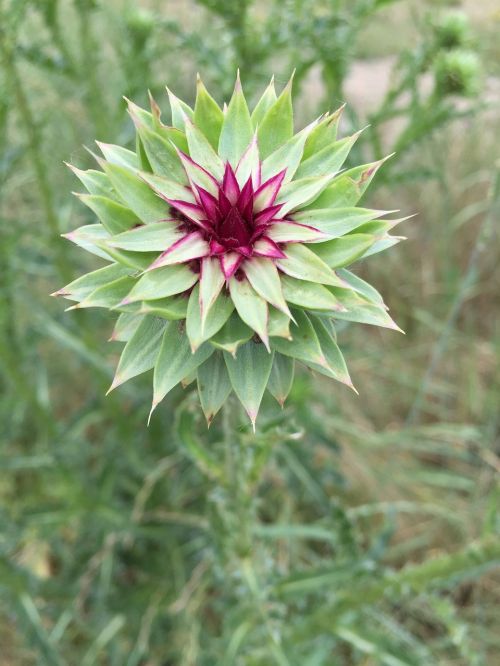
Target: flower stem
{"points": [[34, 145]]}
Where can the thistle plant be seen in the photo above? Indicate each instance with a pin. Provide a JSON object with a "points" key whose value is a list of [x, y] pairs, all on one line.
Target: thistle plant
{"points": [[226, 239]]}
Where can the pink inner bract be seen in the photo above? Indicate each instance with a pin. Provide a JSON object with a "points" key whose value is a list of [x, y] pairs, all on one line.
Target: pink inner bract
{"points": [[235, 218]]}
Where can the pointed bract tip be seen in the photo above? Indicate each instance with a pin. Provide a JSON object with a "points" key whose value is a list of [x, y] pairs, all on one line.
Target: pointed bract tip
{"points": [[125, 301], [351, 386], [60, 292], [237, 85], [114, 384], [153, 407], [253, 418]]}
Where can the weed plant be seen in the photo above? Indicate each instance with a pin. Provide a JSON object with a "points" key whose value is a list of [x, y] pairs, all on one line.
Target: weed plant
{"points": [[348, 530]]}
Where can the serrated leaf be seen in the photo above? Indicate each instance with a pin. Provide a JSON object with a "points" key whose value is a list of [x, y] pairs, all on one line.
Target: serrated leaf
{"points": [[140, 352], [309, 295], [217, 316], [214, 385], [156, 236], [304, 264], [237, 129], [281, 377], [276, 127], [343, 251], [208, 116], [136, 193], [114, 217], [304, 345], [175, 360], [162, 282], [233, 334], [249, 373]]}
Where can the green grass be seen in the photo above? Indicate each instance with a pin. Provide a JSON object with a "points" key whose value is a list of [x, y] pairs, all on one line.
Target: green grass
{"points": [[349, 530]]}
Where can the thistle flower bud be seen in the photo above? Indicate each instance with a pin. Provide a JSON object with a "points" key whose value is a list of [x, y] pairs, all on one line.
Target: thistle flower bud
{"points": [[140, 24], [452, 30], [226, 239], [457, 72]]}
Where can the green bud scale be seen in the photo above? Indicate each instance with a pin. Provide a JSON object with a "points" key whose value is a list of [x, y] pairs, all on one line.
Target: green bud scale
{"points": [[226, 239]]}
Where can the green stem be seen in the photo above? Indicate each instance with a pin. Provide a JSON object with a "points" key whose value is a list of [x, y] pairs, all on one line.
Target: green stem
{"points": [[482, 243], [35, 148]]}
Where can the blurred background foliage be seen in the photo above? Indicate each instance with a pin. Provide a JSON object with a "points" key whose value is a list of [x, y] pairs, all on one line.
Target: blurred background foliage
{"points": [[350, 530]]}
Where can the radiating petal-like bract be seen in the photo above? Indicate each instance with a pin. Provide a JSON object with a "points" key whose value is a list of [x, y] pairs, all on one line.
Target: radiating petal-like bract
{"points": [[226, 239]]}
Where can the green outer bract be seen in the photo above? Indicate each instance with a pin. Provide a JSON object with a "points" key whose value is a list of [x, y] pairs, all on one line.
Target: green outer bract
{"points": [[234, 321]]}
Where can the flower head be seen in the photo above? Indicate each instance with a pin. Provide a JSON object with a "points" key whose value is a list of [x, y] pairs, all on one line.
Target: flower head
{"points": [[226, 238]]}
